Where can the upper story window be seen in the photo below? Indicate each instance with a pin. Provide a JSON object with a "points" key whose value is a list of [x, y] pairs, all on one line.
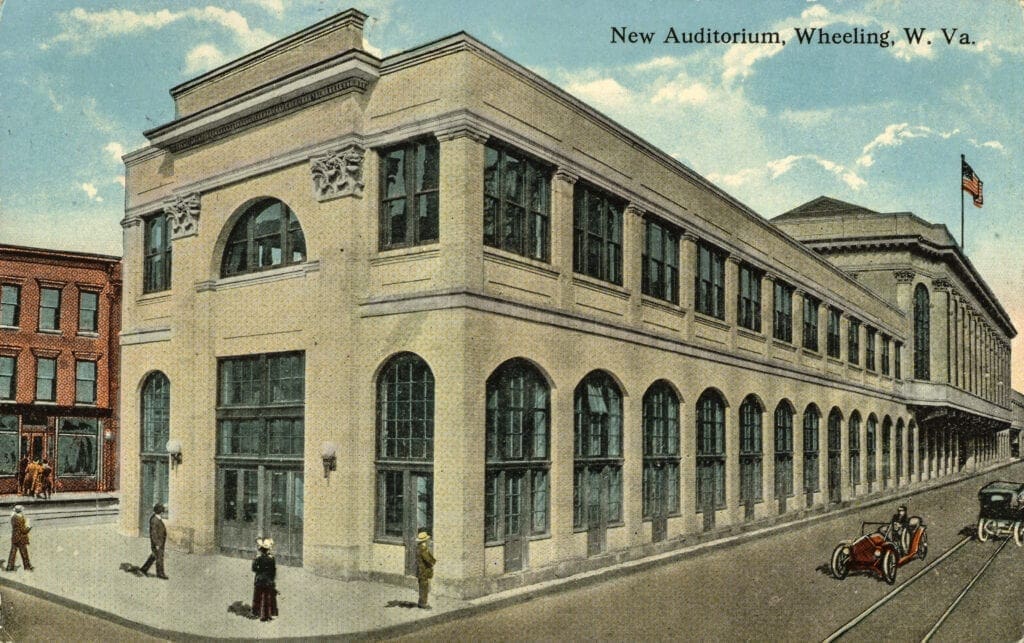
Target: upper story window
{"points": [[869, 349], [49, 309], [661, 261], [88, 311], [811, 323], [710, 278], [267, 235], [853, 342], [156, 268], [834, 344], [260, 411], [8, 377], [409, 179], [46, 379], [783, 312], [898, 360], [85, 382], [748, 309], [885, 354], [597, 227], [517, 203], [10, 305], [922, 321]]}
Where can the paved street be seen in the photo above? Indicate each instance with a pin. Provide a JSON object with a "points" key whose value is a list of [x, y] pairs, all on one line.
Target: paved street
{"points": [[779, 588], [30, 618]]}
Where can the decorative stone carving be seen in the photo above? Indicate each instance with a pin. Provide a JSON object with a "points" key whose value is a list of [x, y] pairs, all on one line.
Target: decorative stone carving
{"points": [[338, 173], [566, 175], [942, 284], [183, 213], [903, 276], [634, 210]]}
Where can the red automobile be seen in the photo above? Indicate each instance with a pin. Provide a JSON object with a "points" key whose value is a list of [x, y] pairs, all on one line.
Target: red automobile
{"points": [[880, 552]]}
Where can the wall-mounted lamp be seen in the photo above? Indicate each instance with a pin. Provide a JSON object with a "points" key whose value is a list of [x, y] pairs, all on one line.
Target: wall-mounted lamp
{"points": [[328, 451], [174, 451], [108, 435]]}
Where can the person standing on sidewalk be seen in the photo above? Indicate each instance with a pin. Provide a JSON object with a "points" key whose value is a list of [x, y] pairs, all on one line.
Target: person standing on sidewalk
{"points": [[157, 540], [264, 592], [425, 562], [19, 539]]}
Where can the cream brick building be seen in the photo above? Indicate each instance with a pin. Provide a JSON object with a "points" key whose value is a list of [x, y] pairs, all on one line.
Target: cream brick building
{"points": [[435, 291]]}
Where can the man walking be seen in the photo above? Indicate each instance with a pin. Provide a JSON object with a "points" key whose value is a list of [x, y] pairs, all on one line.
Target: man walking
{"points": [[424, 567], [157, 540], [19, 539]]}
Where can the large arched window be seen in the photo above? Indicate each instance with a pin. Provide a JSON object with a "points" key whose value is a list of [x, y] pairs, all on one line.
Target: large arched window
{"points": [[886, 449], [922, 322], [812, 422], [710, 452], [267, 235], [854, 430], [783, 450], [661, 451], [155, 413], [597, 486], [872, 439], [835, 453], [751, 415], [518, 455], [405, 448]]}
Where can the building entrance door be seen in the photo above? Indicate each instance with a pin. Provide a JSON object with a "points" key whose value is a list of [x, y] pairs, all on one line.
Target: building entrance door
{"points": [[37, 446], [597, 510], [154, 490], [418, 509], [259, 500]]}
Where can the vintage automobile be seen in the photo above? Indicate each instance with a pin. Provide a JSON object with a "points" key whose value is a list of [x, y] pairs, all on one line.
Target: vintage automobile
{"points": [[1002, 511], [879, 551]]}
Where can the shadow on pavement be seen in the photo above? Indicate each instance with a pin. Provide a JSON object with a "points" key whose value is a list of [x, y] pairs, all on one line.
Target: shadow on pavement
{"points": [[405, 604], [241, 609]]}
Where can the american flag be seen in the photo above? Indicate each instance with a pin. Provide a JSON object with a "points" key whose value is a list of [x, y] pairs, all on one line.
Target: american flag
{"points": [[971, 183]]}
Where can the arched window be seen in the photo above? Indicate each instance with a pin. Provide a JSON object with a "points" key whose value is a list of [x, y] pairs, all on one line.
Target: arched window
{"points": [[710, 451], [518, 455], [854, 430], [597, 487], [812, 421], [405, 448], [267, 235], [886, 448], [155, 412], [783, 450], [750, 452], [922, 321], [911, 431], [661, 451], [899, 449], [872, 438]]}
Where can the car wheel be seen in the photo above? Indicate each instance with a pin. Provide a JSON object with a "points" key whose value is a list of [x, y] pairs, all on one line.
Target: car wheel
{"points": [[905, 541], [1018, 536], [889, 566], [922, 545], [982, 532], [840, 562]]}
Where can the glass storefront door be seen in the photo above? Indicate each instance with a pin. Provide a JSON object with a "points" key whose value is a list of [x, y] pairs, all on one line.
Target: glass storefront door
{"points": [[154, 490], [255, 501]]}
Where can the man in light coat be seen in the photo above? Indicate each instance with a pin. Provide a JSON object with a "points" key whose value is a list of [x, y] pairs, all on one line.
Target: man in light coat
{"points": [[19, 539], [157, 540], [424, 567]]}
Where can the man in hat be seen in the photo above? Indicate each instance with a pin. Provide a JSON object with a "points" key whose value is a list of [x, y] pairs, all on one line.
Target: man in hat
{"points": [[424, 566], [157, 540], [898, 526], [19, 539]]}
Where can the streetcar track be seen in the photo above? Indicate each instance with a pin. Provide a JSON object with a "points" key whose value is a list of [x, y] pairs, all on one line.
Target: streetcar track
{"points": [[962, 594]]}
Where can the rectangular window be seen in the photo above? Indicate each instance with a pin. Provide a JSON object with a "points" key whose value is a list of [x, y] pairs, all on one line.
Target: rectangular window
{"points": [[853, 342], [811, 323], [748, 309], [156, 263], [46, 379], [9, 445], [597, 234], [49, 309], [661, 261], [409, 179], [783, 312], [85, 382], [517, 203], [78, 442], [885, 354], [869, 349], [834, 318], [8, 377], [10, 305], [897, 360], [88, 312], [260, 410], [710, 281]]}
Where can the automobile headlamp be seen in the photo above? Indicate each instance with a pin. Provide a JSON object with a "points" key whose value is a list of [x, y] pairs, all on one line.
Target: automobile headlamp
{"points": [[846, 551], [878, 553]]}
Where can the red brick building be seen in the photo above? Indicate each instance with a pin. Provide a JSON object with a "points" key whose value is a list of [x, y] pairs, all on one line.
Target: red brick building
{"points": [[60, 317]]}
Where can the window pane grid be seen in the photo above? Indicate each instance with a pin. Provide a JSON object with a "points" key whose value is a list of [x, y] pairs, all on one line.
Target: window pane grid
{"points": [[749, 304], [516, 203], [10, 305], [49, 309], [597, 224], [409, 194], [156, 263], [783, 313]]}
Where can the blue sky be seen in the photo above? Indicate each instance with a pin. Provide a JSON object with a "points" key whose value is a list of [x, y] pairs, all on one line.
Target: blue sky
{"points": [[773, 125]]}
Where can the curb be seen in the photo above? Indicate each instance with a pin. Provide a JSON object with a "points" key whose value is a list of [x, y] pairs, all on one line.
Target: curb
{"points": [[522, 594]]}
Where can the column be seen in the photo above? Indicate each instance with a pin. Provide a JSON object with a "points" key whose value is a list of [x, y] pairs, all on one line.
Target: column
{"points": [[798, 317], [767, 314], [562, 232], [915, 450], [732, 289], [939, 331], [844, 338], [632, 260], [844, 459], [863, 464], [687, 270], [823, 332], [799, 495], [732, 464]]}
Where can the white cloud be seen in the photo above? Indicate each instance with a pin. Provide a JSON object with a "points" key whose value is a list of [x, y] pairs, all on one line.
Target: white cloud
{"points": [[376, 51], [892, 136], [119, 180], [903, 50], [606, 92], [115, 149], [204, 57], [275, 7], [778, 167], [662, 62], [682, 90], [772, 170], [91, 192], [996, 145]]}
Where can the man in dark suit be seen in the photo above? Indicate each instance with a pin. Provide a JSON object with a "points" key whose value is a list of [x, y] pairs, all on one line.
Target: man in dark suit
{"points": [[157, 540]]}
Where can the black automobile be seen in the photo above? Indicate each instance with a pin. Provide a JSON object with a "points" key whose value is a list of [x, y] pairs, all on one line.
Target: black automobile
{"points": [[1002, 511]]}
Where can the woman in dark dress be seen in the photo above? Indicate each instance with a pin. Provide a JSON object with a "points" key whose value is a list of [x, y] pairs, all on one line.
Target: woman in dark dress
{"points": [[264, 593]]}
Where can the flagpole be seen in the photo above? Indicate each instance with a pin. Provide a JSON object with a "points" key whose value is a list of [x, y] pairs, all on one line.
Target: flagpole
{"points": [[962, 161]]}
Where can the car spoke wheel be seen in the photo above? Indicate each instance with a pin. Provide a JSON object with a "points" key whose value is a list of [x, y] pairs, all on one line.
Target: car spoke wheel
{"points": [[840, 562], [1018, 536], [889, 566], [982, 531], [922, 546]]}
